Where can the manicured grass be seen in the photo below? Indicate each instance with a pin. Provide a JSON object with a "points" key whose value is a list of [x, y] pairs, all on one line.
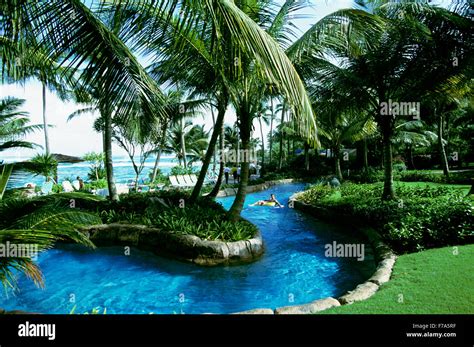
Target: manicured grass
{"points": [[432, 282], [462, 187]]}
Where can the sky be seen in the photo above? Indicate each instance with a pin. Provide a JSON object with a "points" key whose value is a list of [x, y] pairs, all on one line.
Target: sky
{"points": [[77, 136]]}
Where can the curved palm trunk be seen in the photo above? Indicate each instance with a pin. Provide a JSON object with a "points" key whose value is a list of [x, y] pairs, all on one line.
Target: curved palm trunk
{"points": [[218, 184], [388, 189], [337, 163], [280, 159], [210, 150], [45, 121], [263, 143], [236, 208], [109, 166], [214, 160], [306, 156], [365, 156], [271, 132], [158, 155], [442, 150], [183, 145]]}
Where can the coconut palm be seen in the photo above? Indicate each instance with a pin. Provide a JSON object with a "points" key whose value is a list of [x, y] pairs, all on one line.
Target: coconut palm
{"points": [[13, 128], [86, 45], [389, 64], [227, 39], [14, 125]]}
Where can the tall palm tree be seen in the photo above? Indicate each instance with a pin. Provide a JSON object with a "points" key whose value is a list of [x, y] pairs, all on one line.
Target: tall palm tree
{"points": [[264, 115], [413, 33], [13, 128], [87, 45], [227, 39], [14, 125]]}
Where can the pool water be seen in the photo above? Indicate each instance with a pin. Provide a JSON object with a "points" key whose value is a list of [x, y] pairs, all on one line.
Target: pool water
{"points": [[293, 270]]}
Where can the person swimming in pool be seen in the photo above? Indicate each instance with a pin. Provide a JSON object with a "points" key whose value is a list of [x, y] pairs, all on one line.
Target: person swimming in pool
{"points": [[268, 202]]}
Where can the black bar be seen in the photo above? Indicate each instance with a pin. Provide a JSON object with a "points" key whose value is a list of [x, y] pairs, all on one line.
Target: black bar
{"points": [[213, 329]]}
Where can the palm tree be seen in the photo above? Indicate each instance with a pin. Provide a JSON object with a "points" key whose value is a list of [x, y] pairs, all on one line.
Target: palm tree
{"points": [[413, 33], [228, 41], [13, 128], [87, 45], [45, 165], [14, 125], [266, 117]]}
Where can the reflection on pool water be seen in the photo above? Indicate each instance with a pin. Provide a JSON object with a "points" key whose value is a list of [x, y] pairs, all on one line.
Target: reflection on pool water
{"points": [[293, 270]]}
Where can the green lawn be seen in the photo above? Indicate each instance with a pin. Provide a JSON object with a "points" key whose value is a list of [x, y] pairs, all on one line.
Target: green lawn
{"points": [[432, 282]]}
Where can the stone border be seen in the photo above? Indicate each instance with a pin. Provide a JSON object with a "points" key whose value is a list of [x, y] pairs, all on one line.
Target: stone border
{"points": [[383, 255], [184, 247]]}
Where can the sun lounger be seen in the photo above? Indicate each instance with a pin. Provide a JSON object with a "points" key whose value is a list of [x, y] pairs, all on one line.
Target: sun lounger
{"points": [[67, 187], [46, 188], [184, 183]]}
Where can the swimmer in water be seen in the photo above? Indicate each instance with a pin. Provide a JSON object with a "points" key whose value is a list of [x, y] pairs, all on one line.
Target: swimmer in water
{"points": [[269, 201]]}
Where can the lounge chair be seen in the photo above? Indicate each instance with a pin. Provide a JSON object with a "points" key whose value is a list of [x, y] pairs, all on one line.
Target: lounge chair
{"points": [[46, 188], [184, 182], [174, 182], [67, 187], [102, 192], [191, 180]]}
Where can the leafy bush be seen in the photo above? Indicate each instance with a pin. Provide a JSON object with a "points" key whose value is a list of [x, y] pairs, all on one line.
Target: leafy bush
{"points": [[94, 185], [206, 223], [421, 217], [316, 193], [371, 175], [464, 177], [179, 170]]}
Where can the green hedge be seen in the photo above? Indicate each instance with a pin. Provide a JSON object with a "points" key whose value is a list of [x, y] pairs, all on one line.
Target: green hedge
{"points": [[167, 210], [421, 217]]}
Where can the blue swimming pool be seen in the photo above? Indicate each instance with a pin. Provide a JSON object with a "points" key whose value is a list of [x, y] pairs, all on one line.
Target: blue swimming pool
{"points": [[293, 270]]}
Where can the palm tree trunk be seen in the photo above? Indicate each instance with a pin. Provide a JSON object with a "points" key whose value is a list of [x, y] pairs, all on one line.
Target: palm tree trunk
{"points": [[183, 145], [365, 156], [263, 143], [280, 159], [218, 184], [442, 151], [237, 206], [158, 155], [214, 160], [306, 156], [222, 105], [288, 146], [109, 166], [337, 163], [271, 131], [388, 189], [45, 121]]}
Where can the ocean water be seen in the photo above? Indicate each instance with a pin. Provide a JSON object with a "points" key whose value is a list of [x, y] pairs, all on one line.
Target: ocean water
{"points": [[123, 171]]}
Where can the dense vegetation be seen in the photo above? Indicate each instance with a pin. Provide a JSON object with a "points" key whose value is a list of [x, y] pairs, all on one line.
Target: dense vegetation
{"points": [[422, 217], [323, 92], [168, 211]]}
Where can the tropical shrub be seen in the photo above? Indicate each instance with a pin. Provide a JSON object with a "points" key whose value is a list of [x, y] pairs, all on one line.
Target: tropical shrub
{"points": [[421, 217]]}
